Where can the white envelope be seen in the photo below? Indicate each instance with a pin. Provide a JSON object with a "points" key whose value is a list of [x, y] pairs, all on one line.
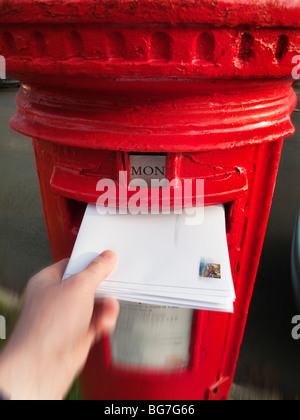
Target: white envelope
{"points": [[159, 258]]}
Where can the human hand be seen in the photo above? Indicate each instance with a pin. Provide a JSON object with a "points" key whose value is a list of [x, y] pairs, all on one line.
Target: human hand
{"points": [[58, 325]]}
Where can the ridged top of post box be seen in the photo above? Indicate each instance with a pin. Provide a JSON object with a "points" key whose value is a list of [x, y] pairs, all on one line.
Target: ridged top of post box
{"points": [[146, 39], [261, 13], [152, 75]]}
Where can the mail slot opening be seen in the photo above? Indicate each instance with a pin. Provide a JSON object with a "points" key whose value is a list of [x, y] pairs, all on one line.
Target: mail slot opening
{"points": [[229, 211], [74, 214]]}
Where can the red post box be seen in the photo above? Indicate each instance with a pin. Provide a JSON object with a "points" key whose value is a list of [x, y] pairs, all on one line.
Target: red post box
{"points": [[208, 85]]}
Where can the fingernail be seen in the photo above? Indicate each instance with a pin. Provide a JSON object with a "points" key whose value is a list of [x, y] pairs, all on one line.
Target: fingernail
{"points": [[110, 255]]}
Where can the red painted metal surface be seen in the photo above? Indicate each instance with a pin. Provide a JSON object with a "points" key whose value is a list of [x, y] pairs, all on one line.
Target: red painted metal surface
{"points": [[209, 83]]}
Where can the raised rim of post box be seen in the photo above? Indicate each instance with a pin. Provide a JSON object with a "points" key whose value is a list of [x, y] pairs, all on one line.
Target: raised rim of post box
{"points": [[258, 113]]}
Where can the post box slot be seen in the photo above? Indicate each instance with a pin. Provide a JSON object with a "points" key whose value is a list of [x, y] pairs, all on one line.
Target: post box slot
{"points": [[74, 184], [75, 212]]}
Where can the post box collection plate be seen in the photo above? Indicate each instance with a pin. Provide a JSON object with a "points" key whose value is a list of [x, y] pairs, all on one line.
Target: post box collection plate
{"points": [[159, 338], [147, 167], [207, 88]]}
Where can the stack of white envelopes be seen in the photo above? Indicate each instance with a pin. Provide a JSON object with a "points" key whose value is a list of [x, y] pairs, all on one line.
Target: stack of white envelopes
{"points": [[167, 260]]}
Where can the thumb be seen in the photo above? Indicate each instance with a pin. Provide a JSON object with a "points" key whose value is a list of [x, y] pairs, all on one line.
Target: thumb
{"points": [[98, 270]]}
